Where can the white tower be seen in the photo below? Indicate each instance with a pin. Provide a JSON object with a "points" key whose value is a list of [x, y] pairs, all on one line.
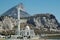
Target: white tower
{"points": [[18, 9]]}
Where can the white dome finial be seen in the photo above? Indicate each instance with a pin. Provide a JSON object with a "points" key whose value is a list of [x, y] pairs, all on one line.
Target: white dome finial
{"points": [[27, 27]]}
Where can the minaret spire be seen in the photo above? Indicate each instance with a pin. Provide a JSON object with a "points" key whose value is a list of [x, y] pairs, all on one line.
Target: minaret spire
{"points": [[18, 9], [21, 6]]}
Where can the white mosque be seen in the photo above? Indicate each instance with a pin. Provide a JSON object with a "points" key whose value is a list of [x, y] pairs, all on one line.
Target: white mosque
{"points": [[23, 33], [9, 23]]}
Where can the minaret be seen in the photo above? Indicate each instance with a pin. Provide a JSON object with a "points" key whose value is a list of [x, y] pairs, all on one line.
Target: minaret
{"points": [[18, 21], [18, 9]]}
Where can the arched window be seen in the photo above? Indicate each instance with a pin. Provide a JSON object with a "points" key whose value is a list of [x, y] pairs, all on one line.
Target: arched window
{"points": [[27, 33]]}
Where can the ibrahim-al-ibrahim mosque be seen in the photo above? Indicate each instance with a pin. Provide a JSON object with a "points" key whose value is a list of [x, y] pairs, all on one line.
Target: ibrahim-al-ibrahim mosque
{"points": [[14, 18]]}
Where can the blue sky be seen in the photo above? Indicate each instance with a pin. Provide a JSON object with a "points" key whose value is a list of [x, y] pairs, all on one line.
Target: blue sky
{"points": [[34, 6]]}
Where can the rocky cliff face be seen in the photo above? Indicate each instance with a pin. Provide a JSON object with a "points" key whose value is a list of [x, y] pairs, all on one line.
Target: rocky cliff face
{"points": [[38, 22], [44, 21]]}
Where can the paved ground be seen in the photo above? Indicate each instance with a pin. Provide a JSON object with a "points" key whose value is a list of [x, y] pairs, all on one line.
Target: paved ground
{"points": [[30, 39]]}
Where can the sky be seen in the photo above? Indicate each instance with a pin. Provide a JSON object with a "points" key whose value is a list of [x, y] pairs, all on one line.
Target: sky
{"points": [[33, 6]]}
